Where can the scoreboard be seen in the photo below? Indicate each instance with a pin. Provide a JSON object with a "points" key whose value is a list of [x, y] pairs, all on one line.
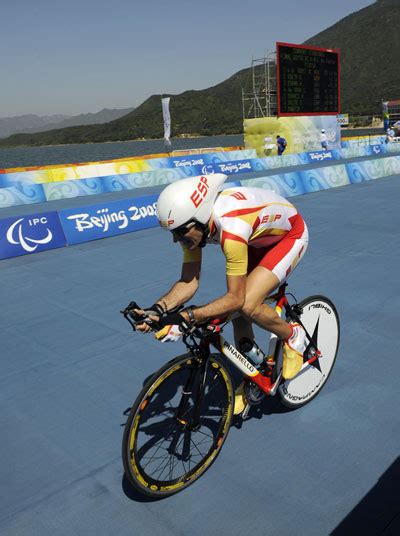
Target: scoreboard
{"points": [[308, 80]]}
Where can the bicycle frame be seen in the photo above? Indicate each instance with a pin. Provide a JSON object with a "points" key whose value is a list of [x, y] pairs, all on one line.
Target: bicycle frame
{"points": [[265, 381]]}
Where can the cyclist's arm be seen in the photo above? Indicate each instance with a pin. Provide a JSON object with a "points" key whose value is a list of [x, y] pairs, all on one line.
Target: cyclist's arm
{"points": [[180, 292], [184, 289], [230, 302], [236, 255]]}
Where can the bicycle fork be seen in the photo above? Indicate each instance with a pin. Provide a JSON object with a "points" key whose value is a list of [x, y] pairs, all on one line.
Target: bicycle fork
{"points": [[188, 391]]}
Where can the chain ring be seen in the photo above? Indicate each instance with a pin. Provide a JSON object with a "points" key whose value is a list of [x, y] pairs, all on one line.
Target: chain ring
{"points": [[254, 395]]}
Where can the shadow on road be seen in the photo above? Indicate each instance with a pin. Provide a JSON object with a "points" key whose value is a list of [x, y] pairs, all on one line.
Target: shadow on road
{"points": [[378, 513]]}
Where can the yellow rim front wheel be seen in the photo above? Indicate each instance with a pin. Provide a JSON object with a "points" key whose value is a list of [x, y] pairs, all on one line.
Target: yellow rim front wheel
{"points": [[172, 435]]}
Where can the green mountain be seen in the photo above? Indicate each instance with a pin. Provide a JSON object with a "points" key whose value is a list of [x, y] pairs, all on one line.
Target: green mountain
{"points": [[369, 40], [369, 43]]}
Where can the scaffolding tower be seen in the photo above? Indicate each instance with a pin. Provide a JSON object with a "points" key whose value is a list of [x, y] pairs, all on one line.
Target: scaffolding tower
{"points": [[259, 95]]}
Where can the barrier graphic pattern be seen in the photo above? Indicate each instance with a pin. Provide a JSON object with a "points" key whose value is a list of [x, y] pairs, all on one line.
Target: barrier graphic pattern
{"points": [[15, 191], [22, 194], [119, 167], [31, 234]]}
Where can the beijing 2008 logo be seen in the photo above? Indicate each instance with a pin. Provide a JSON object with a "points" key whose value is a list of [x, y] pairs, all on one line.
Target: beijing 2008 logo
{"points": [[16, 235]]}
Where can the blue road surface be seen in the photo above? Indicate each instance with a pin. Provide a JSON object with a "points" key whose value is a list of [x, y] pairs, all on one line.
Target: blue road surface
{"points": [[70, 366]]}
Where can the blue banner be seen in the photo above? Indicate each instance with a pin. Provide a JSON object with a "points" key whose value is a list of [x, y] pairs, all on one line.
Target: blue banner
{"points": [[30, 234], [212, 158], [320, 156], [109, 219], [200, 159], [187, 161], [229, 168]]}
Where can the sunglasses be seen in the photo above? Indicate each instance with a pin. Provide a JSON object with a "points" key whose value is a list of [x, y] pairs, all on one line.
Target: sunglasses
{"points": [[180, 232]]}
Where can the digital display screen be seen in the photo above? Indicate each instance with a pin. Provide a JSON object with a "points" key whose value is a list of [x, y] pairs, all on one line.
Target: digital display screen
{"points": [[307, 80]]}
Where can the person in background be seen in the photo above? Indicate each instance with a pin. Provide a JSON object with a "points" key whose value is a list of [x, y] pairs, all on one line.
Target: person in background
{"points": [[324, 140], [281, 143], [390, 134]]}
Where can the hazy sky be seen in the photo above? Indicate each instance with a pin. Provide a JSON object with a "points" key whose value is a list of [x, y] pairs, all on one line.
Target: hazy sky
{"points": [[80, 56]]}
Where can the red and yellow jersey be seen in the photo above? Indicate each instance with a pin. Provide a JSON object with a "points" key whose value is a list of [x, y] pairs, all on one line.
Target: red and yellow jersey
{"points": [[246, 217]]}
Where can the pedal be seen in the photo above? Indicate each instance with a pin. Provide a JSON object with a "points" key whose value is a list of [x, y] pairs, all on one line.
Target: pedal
{"points": [[313, 355]]}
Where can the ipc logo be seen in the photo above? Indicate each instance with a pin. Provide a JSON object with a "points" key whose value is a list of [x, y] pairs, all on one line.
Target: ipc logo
{"points": [[208, 169], [16, 234]]}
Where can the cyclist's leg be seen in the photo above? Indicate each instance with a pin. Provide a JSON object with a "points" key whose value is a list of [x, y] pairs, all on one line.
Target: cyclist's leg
{"points": [[242, 325], [269, 272], [260, 284], [257, 289], [282, 260]]}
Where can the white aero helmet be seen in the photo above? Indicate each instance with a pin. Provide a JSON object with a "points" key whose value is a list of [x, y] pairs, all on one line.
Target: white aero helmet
{"points": [[188, 200]]}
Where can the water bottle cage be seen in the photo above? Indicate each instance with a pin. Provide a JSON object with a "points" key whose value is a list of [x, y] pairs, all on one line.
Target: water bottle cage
{"points": [[250, 349]]}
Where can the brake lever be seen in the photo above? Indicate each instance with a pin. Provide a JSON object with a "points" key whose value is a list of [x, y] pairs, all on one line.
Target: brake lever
{"points": [[135, 318], [129, 310], [131, 316]]}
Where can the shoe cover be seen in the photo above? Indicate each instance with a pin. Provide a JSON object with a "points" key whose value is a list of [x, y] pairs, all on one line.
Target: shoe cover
{"points": [[293, 350], [292, 362]]}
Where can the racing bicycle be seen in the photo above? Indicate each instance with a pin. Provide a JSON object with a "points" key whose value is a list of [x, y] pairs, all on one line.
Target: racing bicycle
{"points": [[180, 420]]}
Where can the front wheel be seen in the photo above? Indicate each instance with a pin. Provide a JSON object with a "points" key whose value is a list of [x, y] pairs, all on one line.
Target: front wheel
{"points": [[321, 320], [177, 425]]}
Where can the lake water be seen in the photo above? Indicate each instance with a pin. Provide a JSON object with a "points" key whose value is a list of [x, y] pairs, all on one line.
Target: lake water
{"points": [[94, 152]]}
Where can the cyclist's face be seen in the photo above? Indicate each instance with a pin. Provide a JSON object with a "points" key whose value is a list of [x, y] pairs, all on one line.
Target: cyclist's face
{"points": [[191, 239]]}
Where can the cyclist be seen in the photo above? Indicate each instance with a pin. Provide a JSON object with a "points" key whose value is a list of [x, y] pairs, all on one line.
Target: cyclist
{"points": [[262, 236]]}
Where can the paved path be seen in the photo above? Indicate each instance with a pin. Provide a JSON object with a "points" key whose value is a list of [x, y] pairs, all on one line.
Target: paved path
{"points": [[70, 366]]}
